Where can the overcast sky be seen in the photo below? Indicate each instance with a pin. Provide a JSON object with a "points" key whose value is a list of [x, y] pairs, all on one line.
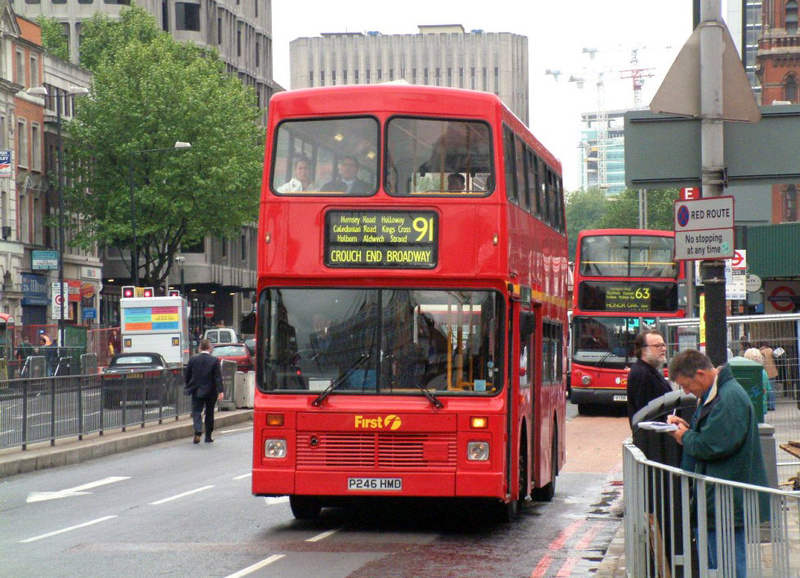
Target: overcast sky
{"points": [[557, 32]]}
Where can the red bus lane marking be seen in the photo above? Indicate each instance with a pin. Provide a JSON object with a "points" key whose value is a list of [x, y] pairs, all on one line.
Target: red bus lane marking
{"points": [[588, 537], [565, 535], [541, 568], [567, 566]]}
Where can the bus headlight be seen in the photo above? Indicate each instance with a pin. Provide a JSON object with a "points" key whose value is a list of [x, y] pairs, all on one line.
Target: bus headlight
{"points": [[478, 451], [275, 449], [586, 380]]}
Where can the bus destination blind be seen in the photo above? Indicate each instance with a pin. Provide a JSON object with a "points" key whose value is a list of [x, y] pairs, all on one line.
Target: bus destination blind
{"points": [[381, 239], [628, 296]]}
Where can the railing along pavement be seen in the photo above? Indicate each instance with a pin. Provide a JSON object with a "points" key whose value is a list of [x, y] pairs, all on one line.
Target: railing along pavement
{"points": [[667, 523], [41, 408]]}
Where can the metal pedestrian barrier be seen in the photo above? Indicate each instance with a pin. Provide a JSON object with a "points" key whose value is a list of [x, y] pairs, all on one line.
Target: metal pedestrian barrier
{"points": [[672, 517], [779, 333], [39, 409]]}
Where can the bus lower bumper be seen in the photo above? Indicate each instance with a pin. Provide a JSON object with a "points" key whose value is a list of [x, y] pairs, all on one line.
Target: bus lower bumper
{"points": [[271, 482], [605, 396]]}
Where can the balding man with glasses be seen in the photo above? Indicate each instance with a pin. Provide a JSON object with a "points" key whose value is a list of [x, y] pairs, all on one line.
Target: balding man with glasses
{"points": [[646, 381]]}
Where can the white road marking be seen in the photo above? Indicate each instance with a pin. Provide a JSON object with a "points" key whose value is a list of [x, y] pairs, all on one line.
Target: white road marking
{"points": [[273, 501], [243, 476], [257, 566], [70, 492], [97, 521], [184, 494], [322, 536]]}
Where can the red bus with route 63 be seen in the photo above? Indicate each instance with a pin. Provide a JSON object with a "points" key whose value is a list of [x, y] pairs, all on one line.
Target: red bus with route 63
{"points": [[412, 313], [623, 280]]}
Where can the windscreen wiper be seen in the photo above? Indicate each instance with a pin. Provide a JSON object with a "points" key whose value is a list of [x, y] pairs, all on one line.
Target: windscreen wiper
{"points": [[340, 380], [429, 394]]}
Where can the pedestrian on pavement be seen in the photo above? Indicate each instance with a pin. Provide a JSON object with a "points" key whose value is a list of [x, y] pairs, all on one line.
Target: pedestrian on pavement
{"points": [[721, 441], [645, 380], [25, 350], [114, 343], [754, 354], [203, 379]]}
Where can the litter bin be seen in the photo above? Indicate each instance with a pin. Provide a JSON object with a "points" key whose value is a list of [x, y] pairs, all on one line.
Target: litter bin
{"points": [[657, 446], [664, 498], [749, 374]]}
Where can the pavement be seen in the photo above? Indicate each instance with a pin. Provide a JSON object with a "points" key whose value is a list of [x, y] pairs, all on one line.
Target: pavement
{"points": [[73, 450]]}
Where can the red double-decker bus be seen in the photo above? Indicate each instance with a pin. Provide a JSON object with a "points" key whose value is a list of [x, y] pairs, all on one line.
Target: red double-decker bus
{"points": [[624, 279], [412, 300]]}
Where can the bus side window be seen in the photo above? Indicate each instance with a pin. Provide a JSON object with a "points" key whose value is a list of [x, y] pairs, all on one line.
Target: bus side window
{"points": [[510, 168]]}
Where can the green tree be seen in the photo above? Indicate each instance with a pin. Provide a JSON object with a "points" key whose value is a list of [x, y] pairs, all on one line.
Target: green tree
{"points": [[623, 210], [53, 39], [148, 96], [584, 210]]}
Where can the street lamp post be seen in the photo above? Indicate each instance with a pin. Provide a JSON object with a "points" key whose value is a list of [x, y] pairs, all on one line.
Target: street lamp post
{"points": [[179, 145], [71, 92], [180, 260]]}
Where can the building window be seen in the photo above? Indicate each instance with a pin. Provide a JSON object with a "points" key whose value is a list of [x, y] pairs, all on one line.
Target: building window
{"points": [[34, 71], [187, 16], [119, 2], [258, 54], [36, 147], [791, 17], [20, 62], [22, 143], [790, 205], [219, 30], [244, 248], [238, 43], [790, 89]]}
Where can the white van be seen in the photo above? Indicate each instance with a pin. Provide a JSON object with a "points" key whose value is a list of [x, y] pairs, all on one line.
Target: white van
{"points": [[221, 335]]}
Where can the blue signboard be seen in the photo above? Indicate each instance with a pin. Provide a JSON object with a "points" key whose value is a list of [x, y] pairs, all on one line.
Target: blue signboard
{"points": [[34, 290]]}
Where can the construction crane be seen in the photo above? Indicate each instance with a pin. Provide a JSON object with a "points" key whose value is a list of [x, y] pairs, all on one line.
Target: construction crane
{"points": [[637, 75]]}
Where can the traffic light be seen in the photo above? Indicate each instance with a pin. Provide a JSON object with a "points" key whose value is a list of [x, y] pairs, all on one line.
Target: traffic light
{"points": [[147, 292], [128, 291], [174, 293]]}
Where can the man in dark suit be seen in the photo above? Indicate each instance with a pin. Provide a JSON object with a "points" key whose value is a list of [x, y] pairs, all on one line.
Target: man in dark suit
{"points": [[645, 380], [203, 378], [348, 181]]}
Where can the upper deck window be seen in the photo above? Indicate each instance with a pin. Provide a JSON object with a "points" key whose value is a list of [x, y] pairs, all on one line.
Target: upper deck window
{"points": [[438, 157], [627, 256], [329, 156]]}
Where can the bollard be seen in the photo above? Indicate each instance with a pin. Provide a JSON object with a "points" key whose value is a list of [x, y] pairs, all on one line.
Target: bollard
{"points": [[766, 435]]}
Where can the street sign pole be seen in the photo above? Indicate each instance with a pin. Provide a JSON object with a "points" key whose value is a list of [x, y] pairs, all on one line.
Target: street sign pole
{"points": [[713, 177]]}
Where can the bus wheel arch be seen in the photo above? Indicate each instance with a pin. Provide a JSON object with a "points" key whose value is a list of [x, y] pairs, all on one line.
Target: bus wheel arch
{"points": [[305, 507]]}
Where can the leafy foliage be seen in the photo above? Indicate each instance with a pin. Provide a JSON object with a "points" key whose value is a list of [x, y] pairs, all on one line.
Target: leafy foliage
{"points": [[592, 209], [150, 94], [53, 39]]}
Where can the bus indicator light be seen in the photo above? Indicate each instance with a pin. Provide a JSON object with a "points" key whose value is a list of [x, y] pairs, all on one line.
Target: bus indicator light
{"points": [[479, 422], [275, 419]]}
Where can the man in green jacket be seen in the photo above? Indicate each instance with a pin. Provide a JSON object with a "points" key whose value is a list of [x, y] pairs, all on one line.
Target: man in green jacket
{"points": [[722, 440]]}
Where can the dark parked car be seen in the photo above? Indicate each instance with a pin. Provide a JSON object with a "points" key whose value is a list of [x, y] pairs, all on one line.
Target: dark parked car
{"points": [[237, 352], [137, 378]]}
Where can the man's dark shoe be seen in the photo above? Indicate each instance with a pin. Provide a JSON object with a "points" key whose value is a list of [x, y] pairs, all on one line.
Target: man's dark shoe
{"points": [[197, 437], [209, 440]]}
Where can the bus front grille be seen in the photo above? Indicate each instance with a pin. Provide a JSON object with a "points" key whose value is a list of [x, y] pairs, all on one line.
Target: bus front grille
{"points": [[376, 450]]}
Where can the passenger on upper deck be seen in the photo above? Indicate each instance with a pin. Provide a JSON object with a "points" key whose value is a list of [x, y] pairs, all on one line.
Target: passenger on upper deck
{"points": [[348, 181], [301, 181], [455, 182]]}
